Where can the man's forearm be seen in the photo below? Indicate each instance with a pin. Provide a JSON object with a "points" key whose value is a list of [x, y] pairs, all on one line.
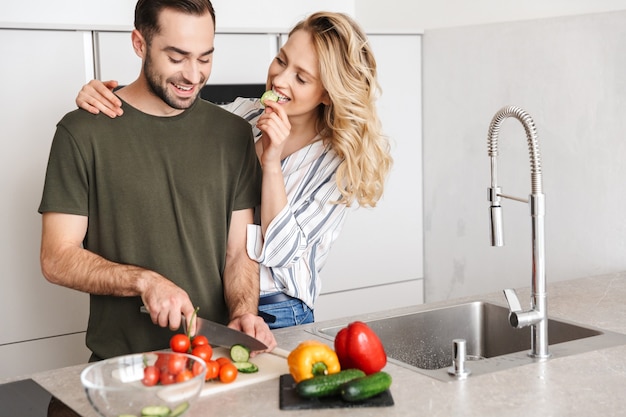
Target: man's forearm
{"points": [[241, 285], [86, 271], [65, 262]]}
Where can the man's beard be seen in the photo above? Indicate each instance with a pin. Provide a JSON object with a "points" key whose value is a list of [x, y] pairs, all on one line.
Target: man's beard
{"points": [[158, 86]]}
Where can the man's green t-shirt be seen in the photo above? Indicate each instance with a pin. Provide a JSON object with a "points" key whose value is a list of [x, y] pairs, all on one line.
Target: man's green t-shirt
{"points": [[159, 193]]}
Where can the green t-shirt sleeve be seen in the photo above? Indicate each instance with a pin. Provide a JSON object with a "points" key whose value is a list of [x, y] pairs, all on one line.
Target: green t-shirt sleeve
{"points": [[249, 186], [66, 183]]}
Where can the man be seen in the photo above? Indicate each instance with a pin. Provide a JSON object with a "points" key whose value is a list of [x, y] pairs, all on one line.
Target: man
{"points": [[151, 208]]}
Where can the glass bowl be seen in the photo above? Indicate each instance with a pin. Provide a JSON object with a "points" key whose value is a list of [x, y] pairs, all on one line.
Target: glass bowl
{"points": [[115, 386]]}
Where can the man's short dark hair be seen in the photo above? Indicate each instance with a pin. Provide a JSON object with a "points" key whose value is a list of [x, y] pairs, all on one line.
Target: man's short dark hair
{"points": [[147, 13]]}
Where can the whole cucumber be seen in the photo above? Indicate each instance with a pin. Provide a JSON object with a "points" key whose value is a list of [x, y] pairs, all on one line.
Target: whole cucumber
{"points": [[366, 387], [327, 385]]}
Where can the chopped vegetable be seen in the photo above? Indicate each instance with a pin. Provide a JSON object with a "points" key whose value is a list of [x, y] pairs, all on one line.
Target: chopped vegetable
{"points": [[155, 411], [311, 358], [179, 410], [246, 367], [239, 353], [269, 95]]}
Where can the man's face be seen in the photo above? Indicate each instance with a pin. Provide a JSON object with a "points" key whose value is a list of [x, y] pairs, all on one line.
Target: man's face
{"points": [[178, 61]]}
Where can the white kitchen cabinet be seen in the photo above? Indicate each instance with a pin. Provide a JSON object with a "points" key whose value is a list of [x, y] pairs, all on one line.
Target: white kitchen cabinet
{"points": [[238, 58], [42, 71], [378, 261]]}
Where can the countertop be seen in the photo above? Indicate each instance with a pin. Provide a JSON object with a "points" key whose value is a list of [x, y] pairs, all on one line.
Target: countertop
{"points": [[589, 384]]}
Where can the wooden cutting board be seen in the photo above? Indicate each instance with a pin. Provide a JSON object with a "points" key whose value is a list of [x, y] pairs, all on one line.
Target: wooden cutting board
{"points": [[271, 366]]}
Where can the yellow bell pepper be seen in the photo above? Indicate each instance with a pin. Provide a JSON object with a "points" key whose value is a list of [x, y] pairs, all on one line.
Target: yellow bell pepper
{"points": [[311, 358]]}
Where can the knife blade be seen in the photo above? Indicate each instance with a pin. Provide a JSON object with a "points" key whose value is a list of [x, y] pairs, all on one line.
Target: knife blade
{"points": [[220, 335]]}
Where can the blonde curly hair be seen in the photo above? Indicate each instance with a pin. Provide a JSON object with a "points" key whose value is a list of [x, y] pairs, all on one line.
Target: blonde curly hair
{"points": [[350, 122]]}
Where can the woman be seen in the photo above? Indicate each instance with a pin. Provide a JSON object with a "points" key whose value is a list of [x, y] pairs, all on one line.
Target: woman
{"points": [[321, 149]]}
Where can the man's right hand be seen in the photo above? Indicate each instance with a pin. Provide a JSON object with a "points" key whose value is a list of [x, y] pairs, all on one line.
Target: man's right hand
{"points": [[167, 303]]}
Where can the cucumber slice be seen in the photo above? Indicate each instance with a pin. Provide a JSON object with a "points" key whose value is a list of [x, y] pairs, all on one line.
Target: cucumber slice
{"points": [[268, 96], [179, 410], [155, 411], [239, 353], [246, 367]]}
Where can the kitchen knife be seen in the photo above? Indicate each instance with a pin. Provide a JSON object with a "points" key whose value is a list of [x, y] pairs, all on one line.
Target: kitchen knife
{"points": [[220, 335]]}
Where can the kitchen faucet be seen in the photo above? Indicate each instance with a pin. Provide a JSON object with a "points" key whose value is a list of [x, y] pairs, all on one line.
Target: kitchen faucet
{"points": [[537, 316]]}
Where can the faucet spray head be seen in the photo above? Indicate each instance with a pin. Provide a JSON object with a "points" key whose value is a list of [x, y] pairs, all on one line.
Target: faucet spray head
{"points": [[495, 225], [497, 232]]}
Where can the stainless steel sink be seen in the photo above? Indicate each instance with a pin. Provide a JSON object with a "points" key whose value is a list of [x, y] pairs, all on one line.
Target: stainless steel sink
{"points": [[422, 340]]}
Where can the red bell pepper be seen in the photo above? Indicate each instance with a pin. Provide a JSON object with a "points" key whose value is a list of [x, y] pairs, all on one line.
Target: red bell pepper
{"points": [[358, 346]]}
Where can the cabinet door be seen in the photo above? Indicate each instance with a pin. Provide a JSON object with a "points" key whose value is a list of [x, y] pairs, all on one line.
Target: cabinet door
{"points": [[242, 58], [115, 57], [238, 58], [383, 245], [43, 71]]}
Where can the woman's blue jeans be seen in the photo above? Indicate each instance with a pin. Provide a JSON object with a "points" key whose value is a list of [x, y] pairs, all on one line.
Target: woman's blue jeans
{"points": [[286, 313]]}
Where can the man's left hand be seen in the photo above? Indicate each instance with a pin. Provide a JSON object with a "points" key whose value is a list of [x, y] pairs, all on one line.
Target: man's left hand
{"points": [[254, 326]]}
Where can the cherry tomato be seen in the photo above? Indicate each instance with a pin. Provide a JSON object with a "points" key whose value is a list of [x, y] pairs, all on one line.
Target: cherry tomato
{"points": [[196, 369], [167, 378], [185, 375], [161, 362], [151, 375], [212, 370], [223, 360], [176, 364], [228, 373], [204, 352], [180, 343], [199, 340]]}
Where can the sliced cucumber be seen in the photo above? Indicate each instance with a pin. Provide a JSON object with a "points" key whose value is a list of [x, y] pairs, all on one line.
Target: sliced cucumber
{"points": [[239, 353], [179, 409], [268, 96], [246, 367], [155, 411]]}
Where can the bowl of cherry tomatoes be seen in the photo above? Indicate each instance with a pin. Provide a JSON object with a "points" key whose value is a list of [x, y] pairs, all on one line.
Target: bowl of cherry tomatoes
{"points": [[144, 384]]}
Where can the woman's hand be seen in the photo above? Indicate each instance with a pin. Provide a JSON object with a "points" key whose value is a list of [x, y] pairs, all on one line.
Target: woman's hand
{"points": [[275, 126], [97, 96]]}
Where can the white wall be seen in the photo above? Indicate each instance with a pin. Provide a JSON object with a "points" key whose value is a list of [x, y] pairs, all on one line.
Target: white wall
{"points": [[428, 14], [568, 73], [273, 14], [281, 14]]}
